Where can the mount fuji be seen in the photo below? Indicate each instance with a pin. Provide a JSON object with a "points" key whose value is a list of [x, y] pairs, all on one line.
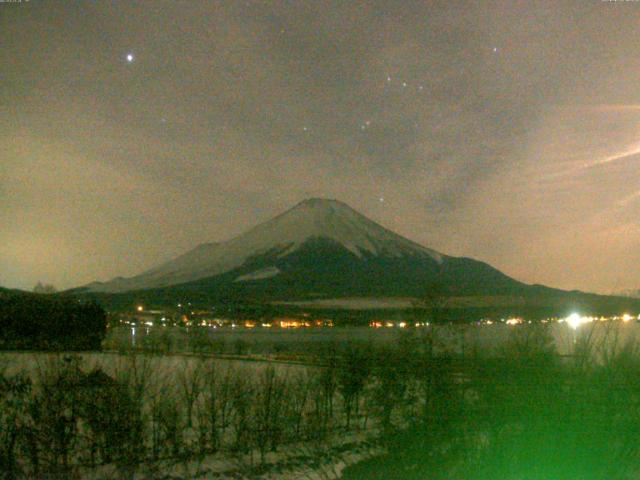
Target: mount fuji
{"points": [[319, 247], [322, 250]]}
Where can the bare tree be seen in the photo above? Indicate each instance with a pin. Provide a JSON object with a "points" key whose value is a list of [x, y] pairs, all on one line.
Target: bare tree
{"points": [[241, 397], [189, 380], [15, 392], [353, 373], [299, 392], [55, 415]]}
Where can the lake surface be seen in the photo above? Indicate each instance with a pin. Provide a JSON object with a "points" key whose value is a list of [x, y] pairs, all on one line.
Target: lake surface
{"points": [[468, 338]]}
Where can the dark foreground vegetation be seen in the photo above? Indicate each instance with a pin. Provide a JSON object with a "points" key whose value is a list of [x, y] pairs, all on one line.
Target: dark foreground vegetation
{"points": [[520, 412], [50, 322], [524, 414]]}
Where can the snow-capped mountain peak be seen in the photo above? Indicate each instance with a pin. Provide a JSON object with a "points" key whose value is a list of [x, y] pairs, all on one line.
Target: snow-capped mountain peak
{"points": [[334, 220], [314, 218]]}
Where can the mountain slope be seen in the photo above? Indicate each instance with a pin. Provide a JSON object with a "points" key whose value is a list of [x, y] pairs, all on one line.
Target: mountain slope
{"points": [[322, 249], [322, 268], [285, 234]]}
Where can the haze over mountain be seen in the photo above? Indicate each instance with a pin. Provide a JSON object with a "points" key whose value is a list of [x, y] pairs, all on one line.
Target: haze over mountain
{"points": [[324, 254], [324, 240]]}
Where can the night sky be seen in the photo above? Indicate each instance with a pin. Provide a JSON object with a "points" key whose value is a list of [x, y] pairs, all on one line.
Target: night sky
{"points": [[505, 131]]}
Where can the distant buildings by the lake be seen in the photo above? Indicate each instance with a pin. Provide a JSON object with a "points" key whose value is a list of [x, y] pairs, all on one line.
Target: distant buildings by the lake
{"points": [[185, 315]]}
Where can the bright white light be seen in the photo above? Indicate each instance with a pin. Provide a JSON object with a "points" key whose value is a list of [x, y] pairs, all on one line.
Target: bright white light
{"points": [[574, 320], [130, 57], [626, 317]]}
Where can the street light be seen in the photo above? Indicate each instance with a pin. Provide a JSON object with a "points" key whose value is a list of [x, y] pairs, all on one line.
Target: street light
{"points": [[574, 320]]}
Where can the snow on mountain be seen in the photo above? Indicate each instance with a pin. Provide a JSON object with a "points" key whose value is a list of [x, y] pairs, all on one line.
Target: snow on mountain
{"points": [[259, 274], [310, 219]]}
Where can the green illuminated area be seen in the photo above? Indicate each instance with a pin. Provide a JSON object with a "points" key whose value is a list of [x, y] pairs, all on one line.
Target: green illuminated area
{"points": [[526, 413]]}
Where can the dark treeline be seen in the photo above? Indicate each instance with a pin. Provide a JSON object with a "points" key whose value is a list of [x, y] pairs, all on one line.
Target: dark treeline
{"points": [[50, 322]]}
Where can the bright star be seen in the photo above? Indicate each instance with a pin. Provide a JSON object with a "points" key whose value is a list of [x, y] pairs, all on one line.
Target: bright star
{"points": [[130, 57]]}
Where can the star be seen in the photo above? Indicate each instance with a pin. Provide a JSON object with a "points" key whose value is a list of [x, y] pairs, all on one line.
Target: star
{"points": [[381, 199], [129, 57], [388, 78], [495, 49], [306, 129], [404, 84]]}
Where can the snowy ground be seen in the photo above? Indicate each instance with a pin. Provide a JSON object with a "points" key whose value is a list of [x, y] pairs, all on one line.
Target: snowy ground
{"points": [[300, 461]]}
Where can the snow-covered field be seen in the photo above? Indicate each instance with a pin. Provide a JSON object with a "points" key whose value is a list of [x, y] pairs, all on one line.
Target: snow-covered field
{"points": [[270, 409], [296, 461]]}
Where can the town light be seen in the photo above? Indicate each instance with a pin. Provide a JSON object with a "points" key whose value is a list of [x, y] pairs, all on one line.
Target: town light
{"points": [[574, 320]]}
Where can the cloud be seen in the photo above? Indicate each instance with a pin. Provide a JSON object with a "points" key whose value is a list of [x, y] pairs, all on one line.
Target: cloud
{"points": [[495, 130]]}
